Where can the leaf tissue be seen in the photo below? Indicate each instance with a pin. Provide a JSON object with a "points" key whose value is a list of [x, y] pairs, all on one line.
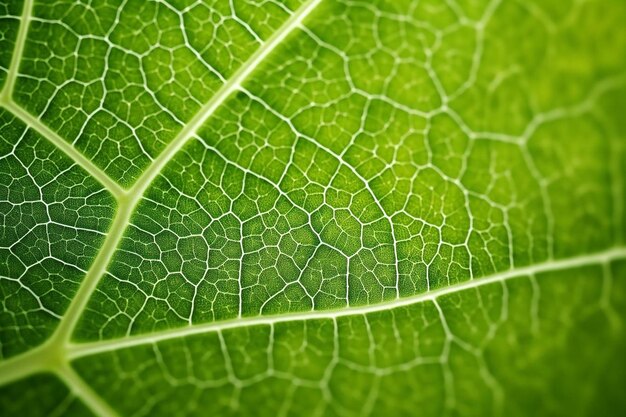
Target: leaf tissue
{"points": [[312, 208]]}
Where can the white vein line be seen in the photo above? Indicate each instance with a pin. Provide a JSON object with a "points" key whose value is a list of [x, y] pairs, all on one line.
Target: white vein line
{"points": [[85, 163], [86, 349], [225, 91], [18, 50]]}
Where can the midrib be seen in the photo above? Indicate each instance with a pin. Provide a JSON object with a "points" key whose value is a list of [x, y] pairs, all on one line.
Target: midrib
{"points": [[85, 349]]}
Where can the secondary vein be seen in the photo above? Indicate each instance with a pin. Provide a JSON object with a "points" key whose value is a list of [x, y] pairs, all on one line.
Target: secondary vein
{"points": [[86, 349]]}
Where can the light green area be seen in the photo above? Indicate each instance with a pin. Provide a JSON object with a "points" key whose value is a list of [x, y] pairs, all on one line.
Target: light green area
{"points": [[309, 190], [391, 208], [53, 220]]}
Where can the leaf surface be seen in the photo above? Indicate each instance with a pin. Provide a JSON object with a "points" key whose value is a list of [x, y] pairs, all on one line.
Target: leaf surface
{"points": [[306, 208]]}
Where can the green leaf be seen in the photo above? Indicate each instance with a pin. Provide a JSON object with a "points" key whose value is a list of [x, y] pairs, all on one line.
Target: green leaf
{"points": [[312, 208], [9, 25]]}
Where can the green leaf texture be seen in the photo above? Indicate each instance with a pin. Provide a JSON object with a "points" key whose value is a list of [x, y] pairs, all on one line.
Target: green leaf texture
{"points": [[312, 208]]}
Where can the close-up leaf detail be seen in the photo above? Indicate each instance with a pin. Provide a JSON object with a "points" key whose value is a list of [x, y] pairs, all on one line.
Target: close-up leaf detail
{"points": [[312, 208]]}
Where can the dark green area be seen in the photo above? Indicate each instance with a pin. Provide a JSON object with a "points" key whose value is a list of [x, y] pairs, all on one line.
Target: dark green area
{"points": [[53, 219], [41, 395]]}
